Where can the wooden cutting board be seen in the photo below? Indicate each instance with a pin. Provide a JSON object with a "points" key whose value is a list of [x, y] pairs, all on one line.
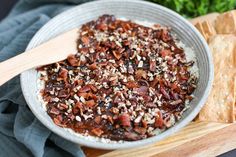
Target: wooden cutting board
{"points": [[196, 139]]}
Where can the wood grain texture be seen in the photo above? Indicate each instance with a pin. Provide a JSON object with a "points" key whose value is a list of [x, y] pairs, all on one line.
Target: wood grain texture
{"points": [[209, 145], [187, 134]]}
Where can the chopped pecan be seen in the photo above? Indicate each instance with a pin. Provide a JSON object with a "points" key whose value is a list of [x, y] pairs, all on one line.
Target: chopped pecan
{"points": [[150, 104], [130, 69], [62, 106], [176, 102], [139, 74]]}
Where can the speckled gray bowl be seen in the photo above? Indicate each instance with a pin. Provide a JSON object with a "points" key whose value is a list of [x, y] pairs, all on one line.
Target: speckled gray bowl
{"points": [[133, 10]]}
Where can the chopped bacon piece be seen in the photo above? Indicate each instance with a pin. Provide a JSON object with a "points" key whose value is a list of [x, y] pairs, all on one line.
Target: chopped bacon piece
{"points": [[55, 111], [174, 95], [165, 94], [91, 96], [154, 82], [93, 88], [174, 86], [71, 116], [97, 131], [64, 74], [84, 95], [85, 40], [115, 110], [141, 90], [102, 64], [125, 120], [144, 123], [159, 122], [84, 50], [79, 82], [126, 26], [102, 27], [90, 103], [116, 98], [88, 95], [85, 88], [165, 53], [92, 66], [140, 130], [98, 119], [79, 105], [165, 36], [105, 91], [117, 54], [132, 136], [131, 84], [143, 82], [62, 94], [73, 60], [126, 43], [56, 121], [147, 98], [152, 65], [110, 119]]}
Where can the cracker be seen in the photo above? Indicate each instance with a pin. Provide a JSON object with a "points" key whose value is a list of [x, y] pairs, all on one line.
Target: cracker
{"points": [[206, 29], [226, 23], [234, 99], [220, 104], [200, 29], [209, 17]]}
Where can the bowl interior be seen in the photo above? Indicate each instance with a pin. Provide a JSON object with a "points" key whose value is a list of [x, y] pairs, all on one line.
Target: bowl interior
{"points": [[133, 10]]}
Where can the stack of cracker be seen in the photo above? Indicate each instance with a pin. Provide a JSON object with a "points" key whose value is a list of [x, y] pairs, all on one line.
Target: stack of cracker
{"points": [[219, 30]]}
